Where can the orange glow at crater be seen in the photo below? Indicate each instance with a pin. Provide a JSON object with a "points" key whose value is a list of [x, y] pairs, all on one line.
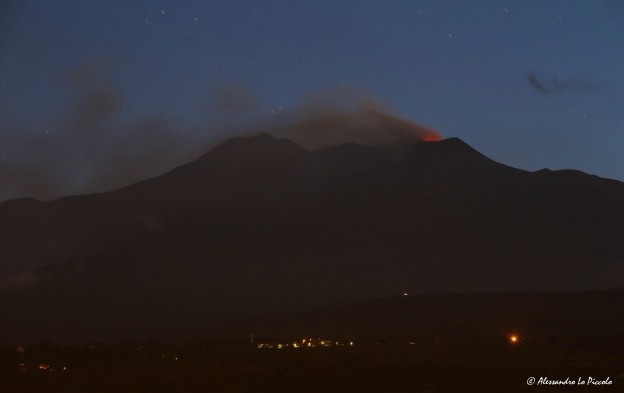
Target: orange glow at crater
{"points": [[429, 135]]}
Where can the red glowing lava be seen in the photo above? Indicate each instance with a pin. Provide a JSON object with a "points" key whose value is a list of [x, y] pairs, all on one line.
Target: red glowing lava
{"points": [[429, 135]]}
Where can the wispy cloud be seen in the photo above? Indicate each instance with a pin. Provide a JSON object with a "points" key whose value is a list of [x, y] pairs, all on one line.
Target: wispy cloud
{"points": [[554, 84]]}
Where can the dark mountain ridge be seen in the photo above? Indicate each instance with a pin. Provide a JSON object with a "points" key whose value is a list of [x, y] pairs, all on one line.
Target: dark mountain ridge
{"points": [[537, 315], [259, 224]]}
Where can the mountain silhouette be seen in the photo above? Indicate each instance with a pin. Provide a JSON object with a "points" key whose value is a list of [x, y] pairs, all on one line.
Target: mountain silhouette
{"points": [[260, 225], [537, 315]]}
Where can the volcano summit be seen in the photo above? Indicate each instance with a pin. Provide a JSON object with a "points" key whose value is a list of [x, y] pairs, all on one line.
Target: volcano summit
{"points": [[259, 224]]}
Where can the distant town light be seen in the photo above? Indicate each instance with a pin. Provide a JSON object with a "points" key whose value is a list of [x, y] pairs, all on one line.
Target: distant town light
{"points": [[514, 339], [305, 343], [405, 294]]}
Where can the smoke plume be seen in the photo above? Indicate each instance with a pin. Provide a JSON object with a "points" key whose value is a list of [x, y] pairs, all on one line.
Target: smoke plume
{"points": [[346, 116], [91, 149]]}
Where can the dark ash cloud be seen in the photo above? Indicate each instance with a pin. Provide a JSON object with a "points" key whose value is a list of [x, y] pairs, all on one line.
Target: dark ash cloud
{"points": [[90, 149], [93, 149], [555, 85], [342, 115]]}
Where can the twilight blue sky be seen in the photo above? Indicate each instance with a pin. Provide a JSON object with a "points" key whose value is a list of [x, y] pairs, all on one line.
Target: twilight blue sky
{"points": [[459, 67]]}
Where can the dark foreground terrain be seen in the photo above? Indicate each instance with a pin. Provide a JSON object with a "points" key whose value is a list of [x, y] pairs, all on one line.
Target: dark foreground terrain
{"points": [[486, 364], [259, 225]]}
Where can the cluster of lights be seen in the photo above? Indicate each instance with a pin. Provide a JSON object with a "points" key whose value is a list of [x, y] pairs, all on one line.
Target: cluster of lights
{"points": [[20, 349], [305, 343], [40, 367]]}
